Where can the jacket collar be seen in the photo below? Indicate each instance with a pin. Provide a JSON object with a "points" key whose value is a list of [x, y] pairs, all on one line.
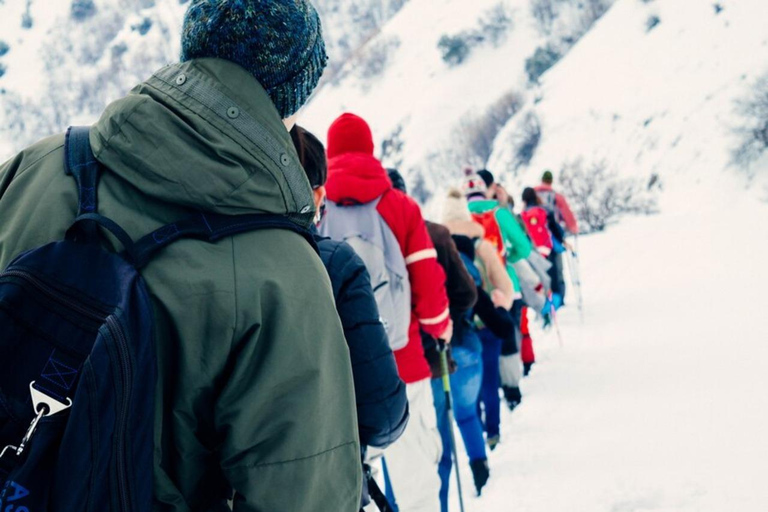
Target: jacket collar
{"points": [[205, 135]]}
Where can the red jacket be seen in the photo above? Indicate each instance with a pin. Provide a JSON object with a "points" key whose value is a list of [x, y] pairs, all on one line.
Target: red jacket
{"points": [[354, 174], [562, 210]]}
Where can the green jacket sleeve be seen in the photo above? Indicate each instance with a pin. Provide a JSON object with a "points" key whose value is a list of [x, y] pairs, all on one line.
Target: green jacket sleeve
{"points": [[286, 415], [517, 243]]}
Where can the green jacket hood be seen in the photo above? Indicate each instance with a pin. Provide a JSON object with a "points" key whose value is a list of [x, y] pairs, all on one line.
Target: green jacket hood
{"points": [[205, 135]]}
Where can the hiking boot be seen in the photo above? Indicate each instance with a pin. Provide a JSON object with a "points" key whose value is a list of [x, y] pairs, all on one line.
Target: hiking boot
{"points": [[547, 321], [480, 473], [513, 396], [527, 369], [493, 442]]}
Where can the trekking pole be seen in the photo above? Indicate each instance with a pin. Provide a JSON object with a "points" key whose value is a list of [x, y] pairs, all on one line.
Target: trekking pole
{"points": [[557, 325], [573, 264], [449, 411]]}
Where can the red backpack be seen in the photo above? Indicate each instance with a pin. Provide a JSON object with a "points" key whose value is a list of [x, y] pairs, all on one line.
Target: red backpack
{"points": [[536, 221], [492, 231]]}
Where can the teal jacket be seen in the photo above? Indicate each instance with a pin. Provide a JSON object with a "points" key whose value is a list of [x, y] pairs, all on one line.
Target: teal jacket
{"points": [[516, 243]]}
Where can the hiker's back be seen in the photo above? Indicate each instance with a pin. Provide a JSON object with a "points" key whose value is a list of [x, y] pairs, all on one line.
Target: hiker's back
{"points": [[536, 223], [226, 322], [367, 232]]}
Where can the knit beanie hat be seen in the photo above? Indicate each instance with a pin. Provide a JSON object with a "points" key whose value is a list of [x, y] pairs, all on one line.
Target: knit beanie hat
{"points": [[455, 207], [547, 177], [279, 42], [349, 134], [487, 177], [473, 185]]}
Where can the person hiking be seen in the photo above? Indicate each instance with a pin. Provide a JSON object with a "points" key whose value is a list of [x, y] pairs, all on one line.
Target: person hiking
{"points": [[465, 368], [495, 292], [556, 203], [382, 405], [549, 239], [513, 245], [534, 297], [361, 197], [254, 399]]}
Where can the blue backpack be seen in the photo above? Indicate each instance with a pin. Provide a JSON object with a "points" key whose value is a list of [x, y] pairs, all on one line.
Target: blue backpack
{"points": [[77, 388]]}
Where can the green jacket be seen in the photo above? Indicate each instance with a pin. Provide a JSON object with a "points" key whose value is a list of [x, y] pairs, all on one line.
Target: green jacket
{"points": [[516, 242], [254, 390]]}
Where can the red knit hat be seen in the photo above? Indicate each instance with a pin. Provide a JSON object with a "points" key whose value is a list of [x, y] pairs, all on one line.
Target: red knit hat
{"points": [[349, 134]]}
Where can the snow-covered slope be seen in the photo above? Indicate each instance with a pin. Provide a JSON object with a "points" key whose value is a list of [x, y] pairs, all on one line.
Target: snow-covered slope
{"points": [[658, 101], [656, 402]]}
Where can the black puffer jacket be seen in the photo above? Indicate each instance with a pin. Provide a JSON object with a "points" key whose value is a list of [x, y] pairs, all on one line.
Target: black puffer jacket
{"points": [[382, 405]]}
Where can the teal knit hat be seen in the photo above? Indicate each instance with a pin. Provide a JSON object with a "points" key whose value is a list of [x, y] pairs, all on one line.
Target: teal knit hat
{"points": [[279, 42]]}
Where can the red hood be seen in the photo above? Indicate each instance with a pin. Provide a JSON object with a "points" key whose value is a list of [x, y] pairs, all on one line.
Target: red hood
{"points": [[356, 177], [543, 186]]}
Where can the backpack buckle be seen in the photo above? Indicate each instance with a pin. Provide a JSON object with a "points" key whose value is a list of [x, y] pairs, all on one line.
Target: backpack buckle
{"points": [[44, 406]]}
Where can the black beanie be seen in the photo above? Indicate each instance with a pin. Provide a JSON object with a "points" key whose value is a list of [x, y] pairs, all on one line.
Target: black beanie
{"points": [[487, 176]]}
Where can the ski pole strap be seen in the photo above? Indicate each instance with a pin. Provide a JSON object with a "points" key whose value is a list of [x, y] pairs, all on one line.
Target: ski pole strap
{"points": [[212, 227], [377, 495]]}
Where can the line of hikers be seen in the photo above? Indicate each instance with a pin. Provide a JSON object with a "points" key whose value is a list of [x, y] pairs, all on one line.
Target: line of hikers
{"points": [[203, 308]]}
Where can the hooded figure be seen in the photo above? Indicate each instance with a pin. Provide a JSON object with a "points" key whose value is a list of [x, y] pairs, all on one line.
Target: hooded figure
{"points": [[254, 399], [356, 177]]}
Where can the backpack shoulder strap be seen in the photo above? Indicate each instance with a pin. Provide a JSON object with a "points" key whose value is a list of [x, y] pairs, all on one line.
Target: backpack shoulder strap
{"points": [[83, 166], [212, 227]]}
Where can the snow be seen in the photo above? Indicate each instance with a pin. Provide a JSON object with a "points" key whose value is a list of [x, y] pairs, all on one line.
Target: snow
{"points": [[660, 101], [657, 402]]}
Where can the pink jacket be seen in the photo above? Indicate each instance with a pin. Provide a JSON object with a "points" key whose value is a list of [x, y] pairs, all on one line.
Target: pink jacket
{"points": [[563, 212]]}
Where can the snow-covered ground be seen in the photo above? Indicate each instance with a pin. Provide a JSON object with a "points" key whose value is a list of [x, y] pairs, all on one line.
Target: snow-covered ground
{"points": [[658, 401]]}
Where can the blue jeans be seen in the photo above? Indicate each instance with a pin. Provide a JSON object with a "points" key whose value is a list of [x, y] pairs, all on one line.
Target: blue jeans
{"points": [[489, 394], [465, 388]]}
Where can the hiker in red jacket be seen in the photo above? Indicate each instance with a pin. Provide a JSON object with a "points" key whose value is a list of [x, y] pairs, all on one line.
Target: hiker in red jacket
{"points": [[356, 177], [557, 204]]}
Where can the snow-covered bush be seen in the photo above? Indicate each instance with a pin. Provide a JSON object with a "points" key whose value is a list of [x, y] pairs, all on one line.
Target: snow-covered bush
{"points": [[391, 153], [495, 23], [599, 197], [541, 60], [454, 49], [544, 13], [651, 22], [471, 141], [753, 128], [82, 9], [26, 17], [4, 48], [143, 27], [376, 57], [2, 69], [526, 140], [420, 191], [492, 27]]}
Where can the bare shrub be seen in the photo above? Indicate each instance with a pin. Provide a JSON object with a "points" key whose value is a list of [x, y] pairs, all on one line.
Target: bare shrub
{"points": [[391, 153], [492, 27], [495, 24], [599, 197], [525, 140], [753, 128], [652, 22], [375, 58], [540, 62], [544, 13], [472, 139]]}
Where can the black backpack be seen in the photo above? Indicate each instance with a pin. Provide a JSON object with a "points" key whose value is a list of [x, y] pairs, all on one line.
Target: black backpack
{"points": [[77, 388]]}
